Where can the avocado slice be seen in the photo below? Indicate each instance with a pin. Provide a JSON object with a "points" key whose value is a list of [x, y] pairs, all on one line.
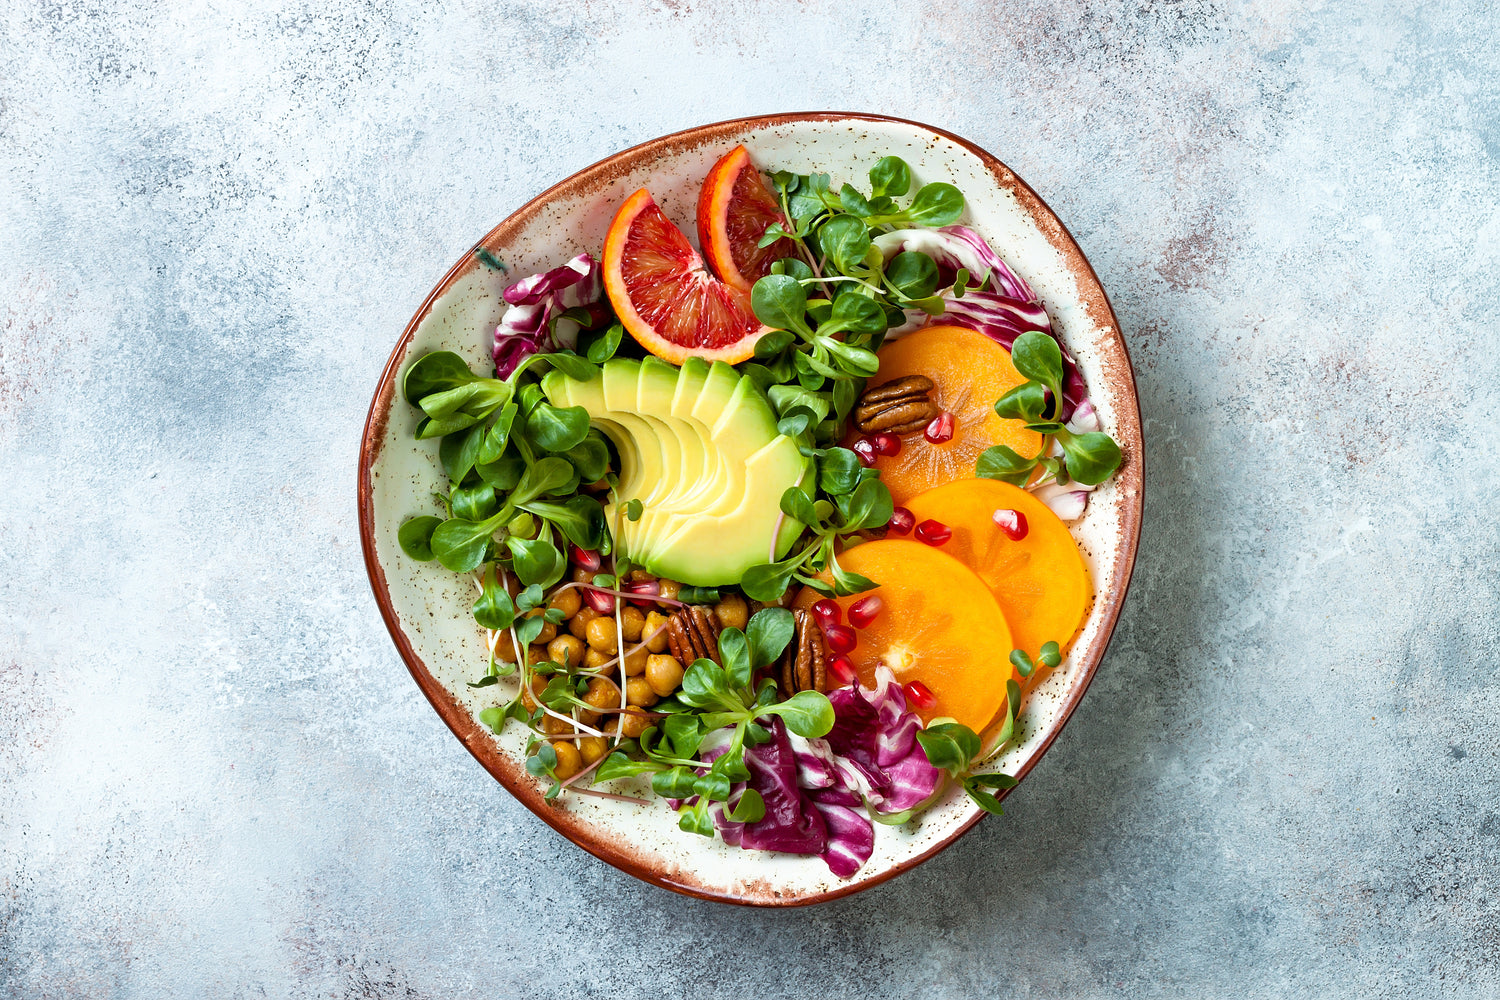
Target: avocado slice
{"points": [[699, 448]]}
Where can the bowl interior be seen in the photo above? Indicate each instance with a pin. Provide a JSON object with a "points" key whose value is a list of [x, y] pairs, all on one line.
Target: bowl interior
{"points": [[427, 607]]}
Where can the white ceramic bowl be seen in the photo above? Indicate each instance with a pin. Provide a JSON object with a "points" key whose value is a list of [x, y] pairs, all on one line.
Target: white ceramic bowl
{"points": [[427, 608]]}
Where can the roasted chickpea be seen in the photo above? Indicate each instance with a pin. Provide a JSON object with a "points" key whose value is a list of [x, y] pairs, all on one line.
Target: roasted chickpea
{"points": [[553, 726], [505, 649], [536, 654], [640, 576], [655, 631], [635, 662], [638, 692], [529, 695], [668, 589], [732, 611], [595, 660], [632, 621], [566, 649], [580, 622], [601, 635], [591, 748], [664, 674], [632, 726], [566, 601], [581, 575], [548, 632], [602, 693], [569, 760]]}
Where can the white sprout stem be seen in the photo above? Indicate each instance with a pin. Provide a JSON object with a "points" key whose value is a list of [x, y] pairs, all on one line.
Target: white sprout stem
{"points": [[614, 564], [627, 595], [775, 534], [609, 795]]}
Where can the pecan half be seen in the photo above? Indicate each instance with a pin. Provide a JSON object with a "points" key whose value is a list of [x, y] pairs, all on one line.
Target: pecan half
{"points": [[693, 634], [804, 665], [899, 406]]}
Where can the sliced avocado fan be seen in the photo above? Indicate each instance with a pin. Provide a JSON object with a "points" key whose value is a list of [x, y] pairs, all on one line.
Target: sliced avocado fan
{"points": [[699, 449]]}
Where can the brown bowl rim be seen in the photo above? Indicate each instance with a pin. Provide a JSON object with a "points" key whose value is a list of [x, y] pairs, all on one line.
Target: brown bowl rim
{"points": [[1130, 479]]}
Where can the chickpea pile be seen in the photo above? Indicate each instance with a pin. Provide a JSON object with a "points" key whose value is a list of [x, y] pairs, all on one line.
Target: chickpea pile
{"points": [[591, 640]]}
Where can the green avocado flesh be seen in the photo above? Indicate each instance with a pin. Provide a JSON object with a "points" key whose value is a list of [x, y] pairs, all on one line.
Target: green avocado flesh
{"points": [[699, 448]]}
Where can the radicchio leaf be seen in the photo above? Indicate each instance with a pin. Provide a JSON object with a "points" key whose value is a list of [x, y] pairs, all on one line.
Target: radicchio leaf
{"points": [[527, 326]]}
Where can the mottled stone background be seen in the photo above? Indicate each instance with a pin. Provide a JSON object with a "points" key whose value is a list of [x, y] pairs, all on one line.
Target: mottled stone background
{"points": [[218, 778]]}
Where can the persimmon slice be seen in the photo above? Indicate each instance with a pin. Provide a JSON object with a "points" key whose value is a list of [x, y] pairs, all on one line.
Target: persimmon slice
{"points": [[1040, 581], [735, 207], [969, 372], [939, 624], [665, 297]]}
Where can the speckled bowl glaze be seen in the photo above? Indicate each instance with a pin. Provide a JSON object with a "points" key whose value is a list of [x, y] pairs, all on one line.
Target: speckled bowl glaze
{"points": [[427, 608]]}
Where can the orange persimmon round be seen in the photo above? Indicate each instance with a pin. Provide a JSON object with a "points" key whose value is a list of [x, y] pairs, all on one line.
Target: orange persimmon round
{"points": [[938, 624], [1040, 581], [969, 372]]}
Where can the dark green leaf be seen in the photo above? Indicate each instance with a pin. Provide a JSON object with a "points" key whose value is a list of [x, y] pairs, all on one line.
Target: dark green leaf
{"points": [[549, 475], [536, 561], [459, 545], [890, 176], [915, 275], [786, 398], [590, 457], [846, 240], [1038, 357], [704, 684], [415, 537], [1027, 401], [617, 765], [773, 343], [797, 505], [685, 734], [794, 425], [1050, 654], [751, 808], [674, 784], [580, 518], [713, 786], [633, 510], [573, 366], [869, 506], [779, 302], [460, 451], [556, 428], [838, 472], [768, 581], [1003, 463], [1021, 660], [497, 434], [474, 503], [494, 609], [734, 653], [436, 372], [698, 595], [794, 266], [1092, 457], [504, 473], [855, 360], [526, 632], [846, 583], [936, 205], [806, 713], [602, 344], [769, 632], [853, 202]]}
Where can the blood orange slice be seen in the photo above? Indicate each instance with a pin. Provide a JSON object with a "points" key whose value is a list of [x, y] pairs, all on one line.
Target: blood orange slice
{"points": [[734, 209], [664, 295]]}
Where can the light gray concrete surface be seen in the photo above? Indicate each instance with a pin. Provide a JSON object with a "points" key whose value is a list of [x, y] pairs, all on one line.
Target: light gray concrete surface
{"points": [[216, 777]]}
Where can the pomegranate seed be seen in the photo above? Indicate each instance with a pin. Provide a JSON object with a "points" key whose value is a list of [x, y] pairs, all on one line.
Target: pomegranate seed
{"points": [[1012, 522], [934, 532], [865, 449], [841, 638], [585, 558], [865, 610], [919, 694], [842, 669], [886, 443], [600, 601], [901, 522], [827, 613], [940, 429], [646, 588]]}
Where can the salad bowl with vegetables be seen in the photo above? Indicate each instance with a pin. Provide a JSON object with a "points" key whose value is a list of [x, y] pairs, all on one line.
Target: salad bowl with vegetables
{"points": [[757, 503]]}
